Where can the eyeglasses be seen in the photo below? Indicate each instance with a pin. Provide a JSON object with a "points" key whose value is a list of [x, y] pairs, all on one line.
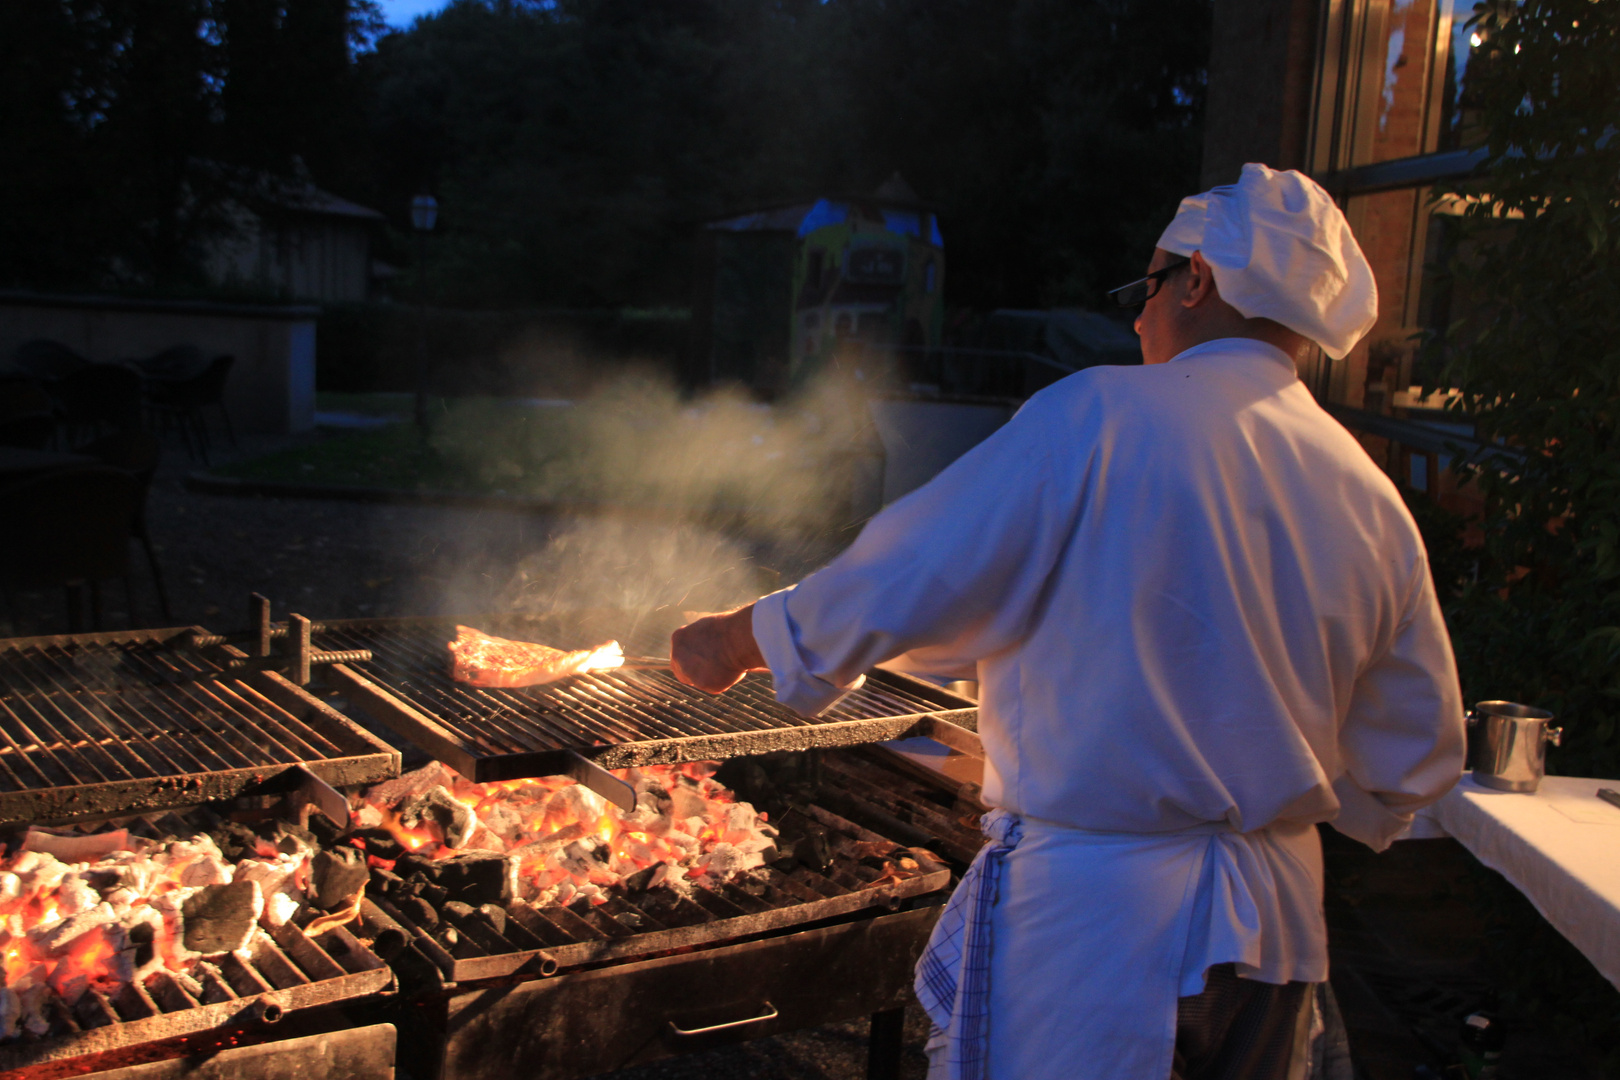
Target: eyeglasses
{"points": [[1144, 289]]}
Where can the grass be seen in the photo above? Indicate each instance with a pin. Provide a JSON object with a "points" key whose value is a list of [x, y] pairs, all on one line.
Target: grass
{"points": [[388, 457], [379, 404]]}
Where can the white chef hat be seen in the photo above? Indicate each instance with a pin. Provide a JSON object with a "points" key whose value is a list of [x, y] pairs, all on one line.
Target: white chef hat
{"points": [[1280, 249]]}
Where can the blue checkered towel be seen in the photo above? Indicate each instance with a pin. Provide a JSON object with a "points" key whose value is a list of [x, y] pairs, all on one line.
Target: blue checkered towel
{"points": [[953, 976]]}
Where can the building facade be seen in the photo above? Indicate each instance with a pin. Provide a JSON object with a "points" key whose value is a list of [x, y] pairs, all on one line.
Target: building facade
{"points": [[788, 291], [1370, 97]]}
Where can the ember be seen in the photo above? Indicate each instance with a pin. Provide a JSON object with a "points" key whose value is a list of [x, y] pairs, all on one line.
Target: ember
{"points": [[559, 840], [127, 906]]}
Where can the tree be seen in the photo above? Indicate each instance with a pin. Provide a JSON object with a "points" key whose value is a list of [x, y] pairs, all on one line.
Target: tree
{"points": [[1538, 365], [577, 144], [127, 125]]}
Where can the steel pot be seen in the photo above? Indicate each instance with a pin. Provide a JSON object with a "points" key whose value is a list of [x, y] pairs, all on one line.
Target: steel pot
{"points": [[1509, 748]]}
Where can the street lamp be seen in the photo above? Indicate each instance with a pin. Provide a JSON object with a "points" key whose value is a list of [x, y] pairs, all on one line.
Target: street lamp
{"points": [[424, 215]]}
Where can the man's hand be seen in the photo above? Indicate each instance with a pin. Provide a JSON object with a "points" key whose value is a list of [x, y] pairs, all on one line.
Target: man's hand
{"points": [[716, 651]]}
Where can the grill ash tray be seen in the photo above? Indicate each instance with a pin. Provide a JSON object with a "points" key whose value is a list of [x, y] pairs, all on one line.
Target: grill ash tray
{"points": [[284, 970], [131, 721], [640, 715]]}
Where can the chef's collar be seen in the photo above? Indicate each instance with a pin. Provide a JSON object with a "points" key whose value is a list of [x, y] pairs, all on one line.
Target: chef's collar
{"points": [[1253, 346]]}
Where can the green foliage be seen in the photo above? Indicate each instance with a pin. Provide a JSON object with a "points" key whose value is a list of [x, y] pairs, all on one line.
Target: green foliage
{"points": [[576, 145], [1539, 368], [126, 127]]}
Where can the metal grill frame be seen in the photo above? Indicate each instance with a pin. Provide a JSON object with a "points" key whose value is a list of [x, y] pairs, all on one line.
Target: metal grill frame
{"points": [[554, 938], [151, 765], [745, 720], [316, 974]]}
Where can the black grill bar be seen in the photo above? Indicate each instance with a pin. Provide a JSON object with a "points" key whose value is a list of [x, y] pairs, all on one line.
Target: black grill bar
{"points": [[57, 663], [421, 659], [621, 717], [545, 939], [100, 723], [285, 970]]}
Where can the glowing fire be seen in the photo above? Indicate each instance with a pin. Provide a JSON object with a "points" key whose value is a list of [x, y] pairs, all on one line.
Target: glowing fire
{"points": [[116, 917], [483, 660], [568, 842]]}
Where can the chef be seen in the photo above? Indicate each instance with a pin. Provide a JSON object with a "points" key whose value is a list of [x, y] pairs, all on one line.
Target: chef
{"points": [[1202, 622]]}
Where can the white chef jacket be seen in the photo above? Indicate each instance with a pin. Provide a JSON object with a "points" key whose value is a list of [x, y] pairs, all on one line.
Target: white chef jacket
{"points": [[1201, 620]]}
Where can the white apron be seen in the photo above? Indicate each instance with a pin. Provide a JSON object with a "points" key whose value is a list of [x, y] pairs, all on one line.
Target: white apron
{"points": [[1093, 936]]}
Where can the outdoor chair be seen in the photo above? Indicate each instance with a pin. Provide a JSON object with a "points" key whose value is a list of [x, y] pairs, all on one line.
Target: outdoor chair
{"points": [[68, 529], [26, 419], [96, 400], [177, 362], [137, 453], [179, 404], [46, 359]]}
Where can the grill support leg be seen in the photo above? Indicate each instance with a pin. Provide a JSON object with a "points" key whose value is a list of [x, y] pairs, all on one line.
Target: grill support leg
{"points": [[885, 1044], [259, 619]]}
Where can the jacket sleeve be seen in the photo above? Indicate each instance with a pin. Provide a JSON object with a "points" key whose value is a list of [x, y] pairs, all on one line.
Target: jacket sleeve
{"points": [[1403, 743], [949, 574]]}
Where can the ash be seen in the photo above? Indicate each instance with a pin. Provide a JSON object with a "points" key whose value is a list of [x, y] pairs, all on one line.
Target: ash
{"points": [[563, 842]]}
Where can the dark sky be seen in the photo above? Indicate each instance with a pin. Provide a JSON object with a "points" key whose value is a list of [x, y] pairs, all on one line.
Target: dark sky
{"points": [[400, 12]]}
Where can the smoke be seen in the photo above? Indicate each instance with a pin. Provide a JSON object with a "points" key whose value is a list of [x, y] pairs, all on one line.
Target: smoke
{"points": [[670, 504]]}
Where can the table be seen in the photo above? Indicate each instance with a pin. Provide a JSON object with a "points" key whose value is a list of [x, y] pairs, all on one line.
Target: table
{"points": [[17, 463], [1559, 846]]}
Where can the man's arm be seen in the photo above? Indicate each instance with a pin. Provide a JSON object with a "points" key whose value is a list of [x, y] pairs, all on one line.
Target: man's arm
{"points": [[960, 565], [1403, 742]]}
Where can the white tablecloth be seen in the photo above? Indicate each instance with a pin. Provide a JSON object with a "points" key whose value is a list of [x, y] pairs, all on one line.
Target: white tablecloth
{"points": [[1560, 847]]}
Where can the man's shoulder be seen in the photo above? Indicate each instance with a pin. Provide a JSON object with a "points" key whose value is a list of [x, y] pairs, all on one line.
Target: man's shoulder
{"points": [[1101, 385]]}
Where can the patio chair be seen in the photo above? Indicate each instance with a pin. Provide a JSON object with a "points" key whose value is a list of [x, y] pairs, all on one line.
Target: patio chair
{"points": [[177, 362], [97, 399], [46, 359], [178, 404], [137, 453], [26, 419], [68, 529]]}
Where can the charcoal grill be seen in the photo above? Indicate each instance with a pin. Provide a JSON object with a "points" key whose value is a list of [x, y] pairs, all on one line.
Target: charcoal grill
{"points": [[106, 723], [568, 992], [642, 924], [614, 719], [287, 970], [99, 725]]}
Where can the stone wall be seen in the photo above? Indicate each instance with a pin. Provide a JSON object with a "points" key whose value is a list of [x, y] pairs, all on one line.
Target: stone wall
{"points": [[272, 384]]}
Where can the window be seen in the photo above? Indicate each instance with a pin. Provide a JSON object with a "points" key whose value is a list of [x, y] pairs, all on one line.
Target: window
{"points": [[1394, 115]]}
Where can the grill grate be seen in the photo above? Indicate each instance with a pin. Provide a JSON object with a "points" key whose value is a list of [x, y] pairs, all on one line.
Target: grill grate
{"points": [[285, 970], [100, 723], [618, 719]]}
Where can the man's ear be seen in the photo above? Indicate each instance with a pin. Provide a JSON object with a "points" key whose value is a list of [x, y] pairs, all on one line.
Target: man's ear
{"points": [[1200, 282]]}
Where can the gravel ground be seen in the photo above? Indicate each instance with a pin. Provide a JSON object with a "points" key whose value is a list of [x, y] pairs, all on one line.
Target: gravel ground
{"points": [[825, 1053], [332, 559]]}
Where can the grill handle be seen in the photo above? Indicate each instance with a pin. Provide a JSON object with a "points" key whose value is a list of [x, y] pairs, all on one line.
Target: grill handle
{"points": [[770, 1013], [599, 780]]}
